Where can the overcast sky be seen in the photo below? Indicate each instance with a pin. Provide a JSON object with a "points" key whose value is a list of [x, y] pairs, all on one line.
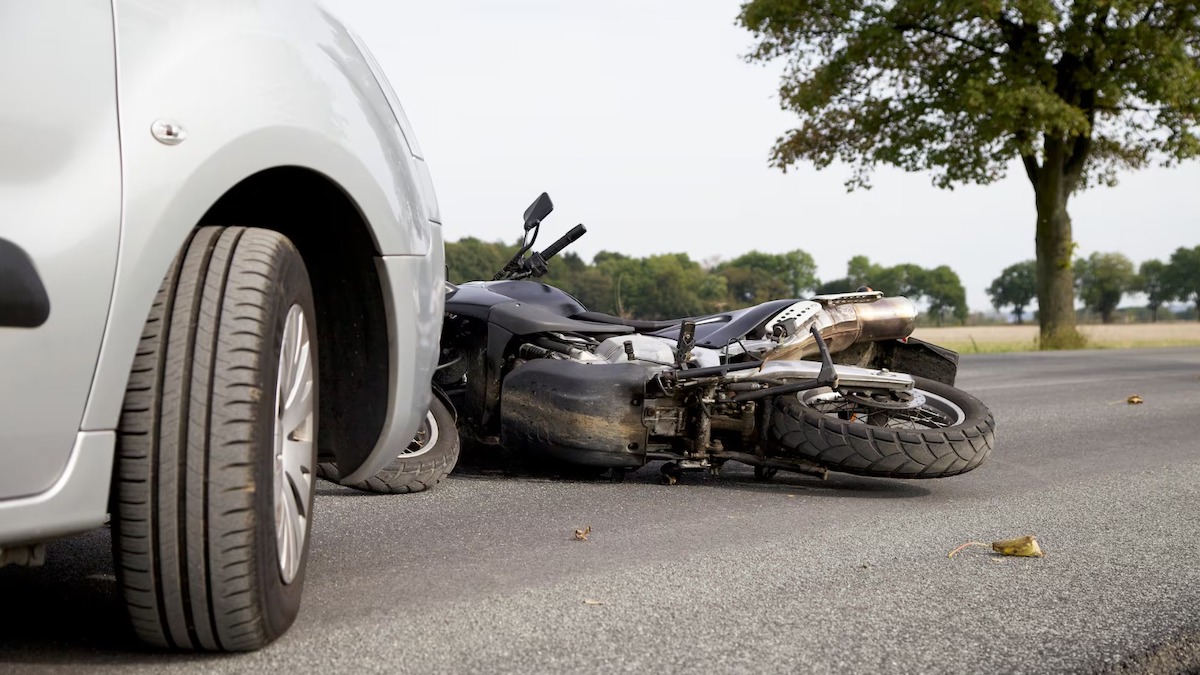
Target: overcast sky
{"points": [[642, 121]]}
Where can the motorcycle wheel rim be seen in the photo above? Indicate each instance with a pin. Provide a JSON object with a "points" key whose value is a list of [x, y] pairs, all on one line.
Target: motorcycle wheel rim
{"points": [[935, 412]]}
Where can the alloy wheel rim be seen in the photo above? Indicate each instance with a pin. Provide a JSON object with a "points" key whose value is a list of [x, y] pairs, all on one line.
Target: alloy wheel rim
{"points": [[293, 443]]}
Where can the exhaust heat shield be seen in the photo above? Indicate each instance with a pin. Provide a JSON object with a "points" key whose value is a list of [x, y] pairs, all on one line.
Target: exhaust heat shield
{"points": [[842, 320]]}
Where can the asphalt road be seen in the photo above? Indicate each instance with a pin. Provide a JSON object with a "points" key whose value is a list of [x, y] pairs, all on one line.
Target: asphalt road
{"points": [[482, 574]]}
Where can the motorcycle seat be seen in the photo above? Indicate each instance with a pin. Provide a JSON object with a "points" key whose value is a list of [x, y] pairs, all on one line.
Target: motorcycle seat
{"points": [[636, 324]]}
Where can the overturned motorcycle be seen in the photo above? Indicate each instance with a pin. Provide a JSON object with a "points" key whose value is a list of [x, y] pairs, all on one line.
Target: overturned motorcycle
{"points": [[832, 383]]}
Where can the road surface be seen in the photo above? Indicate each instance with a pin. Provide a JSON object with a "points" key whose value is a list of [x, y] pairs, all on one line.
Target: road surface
{"points": [[482, 574]]}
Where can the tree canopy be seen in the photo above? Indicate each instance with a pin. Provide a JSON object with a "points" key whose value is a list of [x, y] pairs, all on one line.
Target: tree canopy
{"points": [[1183, 275], [1103, 279], [1071, 91], [673, 285], [1016, 287], [758, 277], [1151, 281], [940, 287]]}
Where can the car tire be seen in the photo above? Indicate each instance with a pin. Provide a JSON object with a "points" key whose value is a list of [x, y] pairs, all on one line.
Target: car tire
{"points": [[213, 477]]}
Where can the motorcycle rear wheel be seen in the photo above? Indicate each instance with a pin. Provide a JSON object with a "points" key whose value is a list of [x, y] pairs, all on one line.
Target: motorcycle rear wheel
{"points": [[951, 432]]}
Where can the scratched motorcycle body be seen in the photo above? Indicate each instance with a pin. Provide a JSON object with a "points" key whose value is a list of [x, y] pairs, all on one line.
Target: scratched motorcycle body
{"points": [[829, 383]]}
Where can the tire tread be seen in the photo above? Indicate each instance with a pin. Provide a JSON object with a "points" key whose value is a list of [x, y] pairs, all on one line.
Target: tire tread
{"points": [[184, 514], [865, 450]]}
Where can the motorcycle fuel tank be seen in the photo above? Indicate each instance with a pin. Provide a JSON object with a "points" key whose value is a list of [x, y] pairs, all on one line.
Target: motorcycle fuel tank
{"points": [[476, 298]]}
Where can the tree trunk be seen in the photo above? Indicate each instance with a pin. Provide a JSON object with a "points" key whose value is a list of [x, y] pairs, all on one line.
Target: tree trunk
{"points": [[1055, 279], [1153, 313], [1019, 312], [1106, 316]]}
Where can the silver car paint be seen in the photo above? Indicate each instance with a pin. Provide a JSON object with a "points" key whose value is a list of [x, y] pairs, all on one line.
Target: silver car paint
{"points": [[255, 86], [60, 191], [76, 502]]}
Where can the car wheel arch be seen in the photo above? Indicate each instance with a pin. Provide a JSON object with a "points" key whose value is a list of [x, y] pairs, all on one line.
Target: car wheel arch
{"points": [[339, 250]]}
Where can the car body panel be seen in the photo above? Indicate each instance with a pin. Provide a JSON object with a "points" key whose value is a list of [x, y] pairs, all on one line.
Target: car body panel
{"points": [[302, 95], [414, 314], [251, 86], [76, 502], [60, 187]]}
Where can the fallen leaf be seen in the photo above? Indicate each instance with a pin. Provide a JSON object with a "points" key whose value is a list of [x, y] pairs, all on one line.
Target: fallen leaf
{"points": [[1134, 400], [582, 535], [1025, 547], [589, 601]]}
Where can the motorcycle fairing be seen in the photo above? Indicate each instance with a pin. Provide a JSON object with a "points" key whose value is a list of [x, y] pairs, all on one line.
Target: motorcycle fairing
{"points": [[575, 412], [717, 330], [527, 307], [525, 318], [475, 299]]}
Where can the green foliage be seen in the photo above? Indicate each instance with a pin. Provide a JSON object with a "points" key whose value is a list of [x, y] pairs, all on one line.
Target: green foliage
{"points": [[1152, 281], [661, 286], [940, 286], [757, 277], [664, 286], [673, 285], [1182, 276], [1016, 287], [843, 285], [1074, 89], [470, 259], [1103, 279], [963, 88], [945, 293]]}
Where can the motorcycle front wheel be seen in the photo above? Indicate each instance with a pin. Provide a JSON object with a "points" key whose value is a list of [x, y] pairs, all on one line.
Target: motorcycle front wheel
{"points": [[428, 459], [943, 432]]}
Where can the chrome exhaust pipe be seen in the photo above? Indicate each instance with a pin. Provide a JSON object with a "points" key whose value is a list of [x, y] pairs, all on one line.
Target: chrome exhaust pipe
{"points": [[843, 320]]}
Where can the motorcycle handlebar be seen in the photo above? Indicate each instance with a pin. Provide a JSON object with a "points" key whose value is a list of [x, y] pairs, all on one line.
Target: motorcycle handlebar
{"points": [[563, 242]]}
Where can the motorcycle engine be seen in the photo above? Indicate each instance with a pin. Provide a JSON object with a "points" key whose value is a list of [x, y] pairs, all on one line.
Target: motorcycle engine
{"points": [[646, 349]]}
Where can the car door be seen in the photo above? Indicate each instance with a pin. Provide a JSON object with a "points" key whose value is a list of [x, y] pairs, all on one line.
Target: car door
{"points": [[60, 210]]}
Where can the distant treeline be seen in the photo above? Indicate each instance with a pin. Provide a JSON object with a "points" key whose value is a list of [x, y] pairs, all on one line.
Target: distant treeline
{"points": [[1102, 280], [673, 285]]}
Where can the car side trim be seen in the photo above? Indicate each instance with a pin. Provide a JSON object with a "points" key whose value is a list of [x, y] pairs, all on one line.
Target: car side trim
{"points": [[23, 299], [77, 502]]}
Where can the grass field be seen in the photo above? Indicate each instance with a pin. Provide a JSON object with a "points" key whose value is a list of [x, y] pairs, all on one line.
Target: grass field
{"points": [[993, 339]]}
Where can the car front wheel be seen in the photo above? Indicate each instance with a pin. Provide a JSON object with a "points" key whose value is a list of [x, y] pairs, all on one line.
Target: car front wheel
{"points": [[214, 479]]}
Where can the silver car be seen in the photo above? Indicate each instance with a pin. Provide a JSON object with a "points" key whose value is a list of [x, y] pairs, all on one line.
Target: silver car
{"points": [[220, 258]]}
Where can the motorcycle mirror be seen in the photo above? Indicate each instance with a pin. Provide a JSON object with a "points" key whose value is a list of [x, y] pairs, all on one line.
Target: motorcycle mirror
{"points": [[537, 211]]}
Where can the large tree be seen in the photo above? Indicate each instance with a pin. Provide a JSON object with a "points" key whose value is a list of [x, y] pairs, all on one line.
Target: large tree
{"points": [[1103, 279], [1183, 275], [1016, 287], [945, 293], [1151, 281], [1073, 91]]}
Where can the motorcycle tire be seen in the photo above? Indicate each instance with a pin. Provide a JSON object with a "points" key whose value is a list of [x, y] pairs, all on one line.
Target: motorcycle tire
{"points": [[423, 463], [951, 433]]}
